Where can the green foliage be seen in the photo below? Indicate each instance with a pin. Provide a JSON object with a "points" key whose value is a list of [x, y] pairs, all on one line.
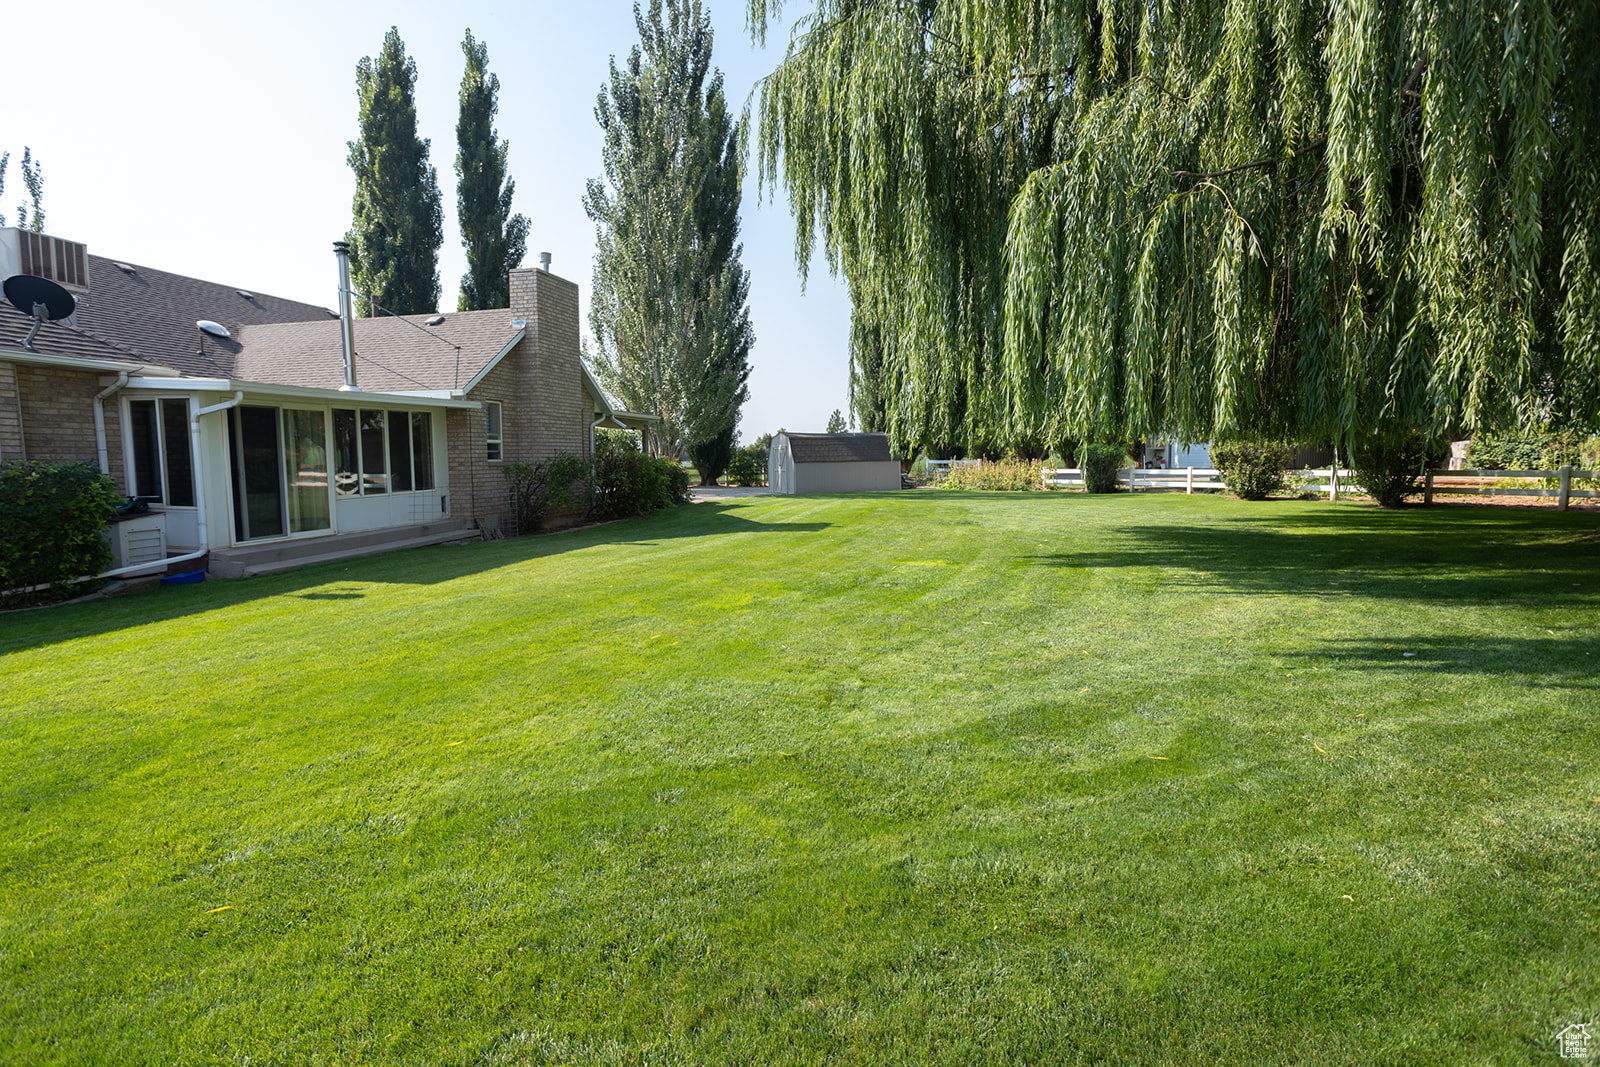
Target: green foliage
{"points": [[747, 467], [1390, 468], [52, 528], [398, 214], [495, 239], [1506, 452], [1285, 220], [30, 215], [1100, 466], [1008, 475], [668, 311], [628, 481], [712, 455], [836, 422], [1254, 470], [560, 483]]}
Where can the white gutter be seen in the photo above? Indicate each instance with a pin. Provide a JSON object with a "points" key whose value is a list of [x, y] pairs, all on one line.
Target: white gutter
{"points": [[100, 417]]}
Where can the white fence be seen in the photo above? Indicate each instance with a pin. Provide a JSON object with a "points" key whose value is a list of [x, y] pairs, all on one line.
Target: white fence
{"points": [[1471, 483], [1329, 482]]}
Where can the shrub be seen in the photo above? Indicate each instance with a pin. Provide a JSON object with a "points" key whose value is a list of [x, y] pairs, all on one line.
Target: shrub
{"points": [[1253, 470], [743, 470], [1511, 452], [554, 484], [627, 482], [1006, 476], [52, 528], [1100, 466], [674, 484], [1390, 468]]}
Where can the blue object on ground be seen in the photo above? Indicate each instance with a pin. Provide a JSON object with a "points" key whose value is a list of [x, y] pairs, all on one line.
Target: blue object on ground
{"points": [[186, 578]]}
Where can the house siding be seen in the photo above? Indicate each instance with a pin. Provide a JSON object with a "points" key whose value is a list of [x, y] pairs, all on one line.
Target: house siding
{"points": [[56, 416], [545, 411], [12, 445]]}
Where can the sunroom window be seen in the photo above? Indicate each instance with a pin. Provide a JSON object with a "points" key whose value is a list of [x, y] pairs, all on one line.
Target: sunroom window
{"points": [[163, 462]]}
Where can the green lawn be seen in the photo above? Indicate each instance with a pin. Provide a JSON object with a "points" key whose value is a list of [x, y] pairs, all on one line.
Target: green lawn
{"points": [[960, 778]]}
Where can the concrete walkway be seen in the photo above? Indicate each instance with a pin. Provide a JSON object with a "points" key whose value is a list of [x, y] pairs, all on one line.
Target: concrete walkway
{"points": [[701, 493]]}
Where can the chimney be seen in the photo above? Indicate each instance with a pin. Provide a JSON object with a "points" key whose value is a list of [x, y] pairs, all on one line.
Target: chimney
{"points": [[347, 326]]}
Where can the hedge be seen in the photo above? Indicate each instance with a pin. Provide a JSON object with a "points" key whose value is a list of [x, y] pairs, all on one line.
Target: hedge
{"points": [[53, 520]]}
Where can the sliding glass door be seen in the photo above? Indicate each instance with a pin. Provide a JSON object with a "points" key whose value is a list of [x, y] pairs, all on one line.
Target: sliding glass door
{"points": [[280, 471]]}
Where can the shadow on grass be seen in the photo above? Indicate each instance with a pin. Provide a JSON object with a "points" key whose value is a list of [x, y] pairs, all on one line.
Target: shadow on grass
{"points": [[1436, 556], [431, 565], [1564, 662]]}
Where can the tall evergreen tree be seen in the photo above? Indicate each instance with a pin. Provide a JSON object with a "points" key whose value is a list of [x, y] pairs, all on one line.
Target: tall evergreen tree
{"points": [[669, 305], [1098, 220], [495, 239], [399, 215]]}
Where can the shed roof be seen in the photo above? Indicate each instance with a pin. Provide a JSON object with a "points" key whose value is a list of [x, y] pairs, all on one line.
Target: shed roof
{"points": [[839, 447]]}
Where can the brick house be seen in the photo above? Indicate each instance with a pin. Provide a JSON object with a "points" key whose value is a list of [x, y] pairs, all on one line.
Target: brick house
{"points": [[231, 412]]}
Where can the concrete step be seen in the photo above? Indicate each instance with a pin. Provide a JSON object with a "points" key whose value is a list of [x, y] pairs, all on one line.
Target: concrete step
{"points": [[286, 555]]}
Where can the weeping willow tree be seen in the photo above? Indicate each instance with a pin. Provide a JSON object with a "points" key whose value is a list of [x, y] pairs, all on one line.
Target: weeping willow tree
{"points": [[1330, 220]]}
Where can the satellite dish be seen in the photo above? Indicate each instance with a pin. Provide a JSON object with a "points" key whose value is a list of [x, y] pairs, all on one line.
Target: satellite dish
{"points": [[39, 298], [215, 329], [28, 292]]}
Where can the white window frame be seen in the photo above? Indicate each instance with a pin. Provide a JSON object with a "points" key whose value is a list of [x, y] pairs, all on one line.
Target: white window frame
{"points": [[494, 444], [129, 460]]}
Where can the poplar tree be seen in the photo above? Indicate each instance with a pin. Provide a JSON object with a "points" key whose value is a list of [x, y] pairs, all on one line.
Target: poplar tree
{"points": [[398, 214], [495, 239], [1337, 221], [30, 215], [669, 307]]}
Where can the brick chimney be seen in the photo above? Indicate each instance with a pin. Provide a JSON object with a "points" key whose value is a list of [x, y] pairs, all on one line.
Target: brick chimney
{"points": [[549, 379]]}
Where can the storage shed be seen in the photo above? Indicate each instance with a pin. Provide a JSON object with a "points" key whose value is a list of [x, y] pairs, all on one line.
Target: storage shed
{"points": [[831, 463]]}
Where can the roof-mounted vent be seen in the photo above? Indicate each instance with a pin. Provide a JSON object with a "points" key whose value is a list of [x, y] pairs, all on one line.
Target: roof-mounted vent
{"points": [[26, 252], [126, 268], [436, 320], [215, 329], [245, 294]]}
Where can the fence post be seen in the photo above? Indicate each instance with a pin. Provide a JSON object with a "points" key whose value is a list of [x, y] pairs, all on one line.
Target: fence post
{"points": [[1427, 490], [1566, 486], [1190, 490]]}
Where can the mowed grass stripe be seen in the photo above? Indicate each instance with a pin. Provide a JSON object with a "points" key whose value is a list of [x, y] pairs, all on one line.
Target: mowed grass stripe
{"points": [[892, 778]]}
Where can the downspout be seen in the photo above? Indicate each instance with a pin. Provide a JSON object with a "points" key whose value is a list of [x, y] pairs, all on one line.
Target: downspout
{"points": [[100, 417], [199, 496]]}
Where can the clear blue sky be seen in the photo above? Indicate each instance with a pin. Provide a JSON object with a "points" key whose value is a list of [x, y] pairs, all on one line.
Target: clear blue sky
{"points": [[209, 139]]}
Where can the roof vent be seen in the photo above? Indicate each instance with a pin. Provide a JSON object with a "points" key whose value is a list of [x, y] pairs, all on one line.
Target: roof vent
{"points": [[246, 295], [126, 268], [27, 252], [215, 329], [436, 320]]}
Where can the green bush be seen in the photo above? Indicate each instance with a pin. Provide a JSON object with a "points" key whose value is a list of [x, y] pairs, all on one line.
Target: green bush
{"points": [[674, 484], [52, 529], [1510, 452], [1100, 466], [555, 484], [627, 482], [743, 469], [1389, 468], [1009, 475], [1253, 470]]}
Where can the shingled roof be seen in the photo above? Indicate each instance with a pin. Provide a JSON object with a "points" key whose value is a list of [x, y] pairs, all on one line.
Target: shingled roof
{"points": [[393, 354], [839, 447], [152, 314], [59, 339]]}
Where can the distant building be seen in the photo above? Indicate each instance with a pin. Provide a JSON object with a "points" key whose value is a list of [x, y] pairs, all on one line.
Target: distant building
{"points": [[831, 463]]}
